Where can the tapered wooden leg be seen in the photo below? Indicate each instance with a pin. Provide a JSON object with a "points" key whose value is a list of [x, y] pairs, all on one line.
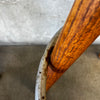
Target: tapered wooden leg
{"points": [[80, 30], [99, 55]]}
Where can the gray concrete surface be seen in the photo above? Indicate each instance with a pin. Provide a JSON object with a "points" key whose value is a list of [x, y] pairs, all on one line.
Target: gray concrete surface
{"points": [[20, 64], [32, 21]]}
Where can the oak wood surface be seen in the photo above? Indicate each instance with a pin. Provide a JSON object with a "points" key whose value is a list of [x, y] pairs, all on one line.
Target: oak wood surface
{"points": [[81, 28]]}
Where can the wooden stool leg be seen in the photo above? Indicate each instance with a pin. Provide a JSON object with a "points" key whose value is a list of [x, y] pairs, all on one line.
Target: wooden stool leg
{"points": [[80, 30], [99, 55]]}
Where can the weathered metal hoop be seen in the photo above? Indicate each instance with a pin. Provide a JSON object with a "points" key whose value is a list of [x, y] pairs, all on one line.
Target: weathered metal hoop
{"points": [[40, 89]]}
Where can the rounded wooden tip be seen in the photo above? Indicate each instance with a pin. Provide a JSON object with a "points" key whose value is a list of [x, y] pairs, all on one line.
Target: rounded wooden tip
{"points": [[52, 77]]}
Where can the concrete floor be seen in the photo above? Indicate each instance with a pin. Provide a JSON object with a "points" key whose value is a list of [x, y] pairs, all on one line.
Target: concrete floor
{"points": [[19, 65], [32, 21]]}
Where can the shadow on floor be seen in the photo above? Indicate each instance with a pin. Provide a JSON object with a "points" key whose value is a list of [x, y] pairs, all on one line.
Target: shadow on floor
{"points": [[19, 65], [18, 68]]}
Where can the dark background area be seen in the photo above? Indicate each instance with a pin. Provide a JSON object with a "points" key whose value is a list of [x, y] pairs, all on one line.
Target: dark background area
{"points": [[18, 69]]}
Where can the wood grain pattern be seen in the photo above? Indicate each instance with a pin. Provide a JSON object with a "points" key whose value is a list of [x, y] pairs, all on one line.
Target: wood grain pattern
{"points": [[81, 28]]}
